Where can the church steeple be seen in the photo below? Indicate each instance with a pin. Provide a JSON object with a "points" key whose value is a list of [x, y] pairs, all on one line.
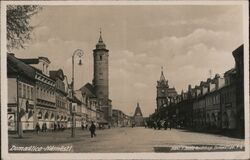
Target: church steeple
{"points": [[138, 110], [162, 84], [100, 39], [162, 78], [100, 44]]}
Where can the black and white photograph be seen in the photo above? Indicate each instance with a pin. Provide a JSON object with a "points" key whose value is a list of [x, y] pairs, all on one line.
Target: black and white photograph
{"points": [[124, 80]]}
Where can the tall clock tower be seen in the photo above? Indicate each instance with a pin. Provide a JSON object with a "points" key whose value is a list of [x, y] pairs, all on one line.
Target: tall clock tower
{"points": [[162, 92], [101, 71]]}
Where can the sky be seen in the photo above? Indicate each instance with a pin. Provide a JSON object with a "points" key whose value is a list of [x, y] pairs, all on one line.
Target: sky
{"points": [[186, 40]]}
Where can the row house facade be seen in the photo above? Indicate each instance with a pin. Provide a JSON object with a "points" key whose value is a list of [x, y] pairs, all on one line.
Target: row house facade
{"points": [[91, 110], [120, 119], [45, 97], [34, 93], [45, 101], [21, 92], [63, 116], [214, 104]]}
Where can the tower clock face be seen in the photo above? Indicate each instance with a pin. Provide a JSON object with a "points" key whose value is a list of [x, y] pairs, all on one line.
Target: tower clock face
{"points": [[162, 90]]}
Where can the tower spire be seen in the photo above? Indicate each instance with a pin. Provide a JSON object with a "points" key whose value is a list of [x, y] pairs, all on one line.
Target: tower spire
{"points": [[162, 78], [100, 44], [100, 39]]}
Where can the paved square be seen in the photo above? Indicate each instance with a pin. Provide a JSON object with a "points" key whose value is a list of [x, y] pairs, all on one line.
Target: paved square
{"points": [[126, 140]]}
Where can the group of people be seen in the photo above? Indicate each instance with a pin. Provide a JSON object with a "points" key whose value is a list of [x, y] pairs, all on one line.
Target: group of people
{"points": [[159, 124], [84, 126], [61, 127], [44, 127]]}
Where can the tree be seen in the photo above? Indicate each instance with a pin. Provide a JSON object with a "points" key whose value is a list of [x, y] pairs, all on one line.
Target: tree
{"points": [[18, 24]]}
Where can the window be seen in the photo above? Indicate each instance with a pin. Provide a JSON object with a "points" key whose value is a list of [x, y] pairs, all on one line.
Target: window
{"points": [[41, 93], [28, 92], [20, 89], [100, 58], [43, 67], [31, 93], [37, 92], [46, 69], [24, 91]]}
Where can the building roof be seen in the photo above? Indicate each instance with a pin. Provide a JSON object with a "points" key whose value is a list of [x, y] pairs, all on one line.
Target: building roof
{"points": [[100, 44], [239, 50], [88, 89], [230, 72], [16, 65], [57, 74], [138, 110], [74, 99], [34, 60], [30, 60], [162, 77]]}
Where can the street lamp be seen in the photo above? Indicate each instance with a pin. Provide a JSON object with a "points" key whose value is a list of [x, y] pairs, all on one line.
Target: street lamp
{"points": [[78, 53]]}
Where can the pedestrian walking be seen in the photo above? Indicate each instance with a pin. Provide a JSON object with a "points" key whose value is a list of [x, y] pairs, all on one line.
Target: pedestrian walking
{"points": [[169, 125], [58, 126], [82, 126], [37, 128], [155, 125], [159, 125], [45, 127], [92, 129], [165, 125], [55, 126], [62, 127]]}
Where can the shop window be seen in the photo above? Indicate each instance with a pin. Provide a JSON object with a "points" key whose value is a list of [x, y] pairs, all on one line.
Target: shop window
{"points": [[39, 115], [24, 91], [28, 92], [31, 93], [20, 89]]}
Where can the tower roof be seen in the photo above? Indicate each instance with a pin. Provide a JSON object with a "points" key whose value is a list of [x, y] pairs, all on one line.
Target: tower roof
{"points": [[162, 78], [100, 44], [138, 110], [162, 81]]}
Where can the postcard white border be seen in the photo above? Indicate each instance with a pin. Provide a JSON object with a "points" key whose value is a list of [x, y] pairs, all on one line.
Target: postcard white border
{"points": [[193, 155]]}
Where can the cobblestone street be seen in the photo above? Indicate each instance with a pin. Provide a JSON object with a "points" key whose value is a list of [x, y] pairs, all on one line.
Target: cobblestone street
{"points": [[124, 140]]}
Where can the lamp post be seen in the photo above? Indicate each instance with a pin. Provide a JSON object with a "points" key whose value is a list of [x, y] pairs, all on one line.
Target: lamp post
{"points": [[78, 53]]}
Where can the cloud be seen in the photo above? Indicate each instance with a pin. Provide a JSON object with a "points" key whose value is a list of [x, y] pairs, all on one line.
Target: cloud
{"points": [[140, 85], [186, 40]]}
